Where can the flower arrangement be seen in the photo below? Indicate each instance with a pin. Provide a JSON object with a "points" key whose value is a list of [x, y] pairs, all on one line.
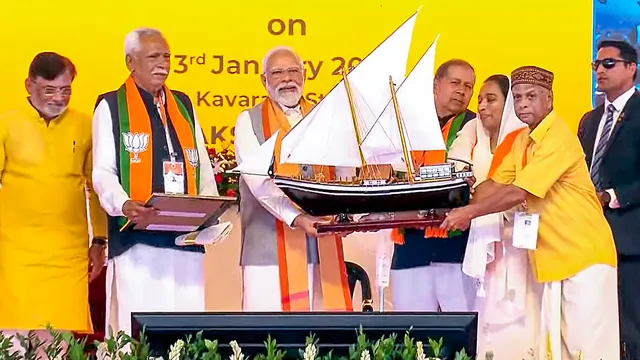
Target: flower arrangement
{"points": [[222, 161], [124, 347]]}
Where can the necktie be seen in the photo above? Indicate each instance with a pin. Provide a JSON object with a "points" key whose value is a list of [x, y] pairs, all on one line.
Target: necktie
{"points": [[602, 145]]}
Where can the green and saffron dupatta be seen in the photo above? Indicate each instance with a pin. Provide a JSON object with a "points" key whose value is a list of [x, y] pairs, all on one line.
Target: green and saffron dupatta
{"points": [[136, 159]]}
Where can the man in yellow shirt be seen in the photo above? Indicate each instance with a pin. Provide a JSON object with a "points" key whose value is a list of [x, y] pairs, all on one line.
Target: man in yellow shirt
{"points": [[574, 255], [45, 173]]}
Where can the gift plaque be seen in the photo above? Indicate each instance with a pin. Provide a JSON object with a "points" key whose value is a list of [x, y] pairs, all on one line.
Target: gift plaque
{"points": [[182, 213]]}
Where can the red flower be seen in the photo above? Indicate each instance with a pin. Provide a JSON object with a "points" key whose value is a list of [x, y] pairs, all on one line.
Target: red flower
{"points": [[212, 152], [218, 178], [231, 192]]}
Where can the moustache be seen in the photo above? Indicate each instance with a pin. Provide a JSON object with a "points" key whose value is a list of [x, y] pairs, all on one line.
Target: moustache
{"points": [[287, 85], [160, 72]]}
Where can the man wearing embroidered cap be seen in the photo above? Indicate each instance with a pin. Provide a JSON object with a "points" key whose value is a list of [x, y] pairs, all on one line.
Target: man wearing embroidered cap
{"points": [[561, 223]]}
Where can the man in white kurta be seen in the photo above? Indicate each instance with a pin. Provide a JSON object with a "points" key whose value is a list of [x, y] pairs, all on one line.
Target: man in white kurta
{"points": [[261, 200], [426, 273], [147, 271]]}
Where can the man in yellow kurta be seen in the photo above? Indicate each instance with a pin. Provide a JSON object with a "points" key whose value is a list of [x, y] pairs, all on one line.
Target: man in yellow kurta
{"points": [[573, 252], [45, 172]]}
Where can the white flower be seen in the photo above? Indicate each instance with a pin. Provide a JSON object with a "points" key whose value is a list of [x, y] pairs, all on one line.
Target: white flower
{"points": [[365, 355], [310, 352], [217, 167], [176, 350], [420, 351], [102, 353], [237, 351]]}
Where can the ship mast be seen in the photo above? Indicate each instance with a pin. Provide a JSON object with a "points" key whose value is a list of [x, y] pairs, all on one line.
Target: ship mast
{"points": [[407, 160], [353, 114]]}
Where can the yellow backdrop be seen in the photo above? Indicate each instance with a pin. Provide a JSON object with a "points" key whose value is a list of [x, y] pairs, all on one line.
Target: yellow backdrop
{"points": [[495, 36]]}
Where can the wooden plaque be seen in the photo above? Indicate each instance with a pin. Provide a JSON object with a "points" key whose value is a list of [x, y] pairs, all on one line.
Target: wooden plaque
{"points": [[375, 222], [182, 213]]}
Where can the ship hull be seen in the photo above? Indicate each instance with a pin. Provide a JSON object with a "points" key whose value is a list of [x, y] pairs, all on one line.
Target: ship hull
{"points": [[321, 199]]}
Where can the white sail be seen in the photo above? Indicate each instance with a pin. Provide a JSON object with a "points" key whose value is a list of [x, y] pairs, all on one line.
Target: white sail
{"points": [[259, 162], [326, 136], [382, 145]]}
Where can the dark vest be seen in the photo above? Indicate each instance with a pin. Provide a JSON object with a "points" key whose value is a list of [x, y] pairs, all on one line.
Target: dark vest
{"points": [[119, 242], [420, 251]]}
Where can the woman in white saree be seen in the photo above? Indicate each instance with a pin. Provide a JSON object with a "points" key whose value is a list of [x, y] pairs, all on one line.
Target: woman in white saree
{"points": [[508, 298]]}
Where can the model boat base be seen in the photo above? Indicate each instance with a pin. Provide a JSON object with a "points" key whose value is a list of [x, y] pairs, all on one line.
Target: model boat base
{"points": [[381, 221]]}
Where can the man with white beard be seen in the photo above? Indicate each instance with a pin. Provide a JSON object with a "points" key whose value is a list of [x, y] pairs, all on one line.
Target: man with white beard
{"points": [[284, 266]]}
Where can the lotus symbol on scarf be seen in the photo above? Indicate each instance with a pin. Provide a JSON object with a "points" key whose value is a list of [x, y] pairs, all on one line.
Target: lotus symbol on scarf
{"points": [[192, 156], [135, 143]]}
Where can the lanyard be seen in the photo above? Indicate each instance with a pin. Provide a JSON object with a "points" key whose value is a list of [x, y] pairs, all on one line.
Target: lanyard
{"points": [[524, 163], [165, 125]]}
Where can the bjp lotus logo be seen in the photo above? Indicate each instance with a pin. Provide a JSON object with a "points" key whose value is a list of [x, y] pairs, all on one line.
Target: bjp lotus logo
{"points": [[135, 143], [192, 156]]}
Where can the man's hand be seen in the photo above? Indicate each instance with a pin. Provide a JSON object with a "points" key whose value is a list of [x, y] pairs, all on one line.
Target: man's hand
{"points": [[458, 219], [136, 211], [307, 224], [470, 180], [97, 259], [604, 198]]}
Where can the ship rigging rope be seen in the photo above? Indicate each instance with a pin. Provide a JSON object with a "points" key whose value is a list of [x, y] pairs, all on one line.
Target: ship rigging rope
{"points": [[364, 112]]}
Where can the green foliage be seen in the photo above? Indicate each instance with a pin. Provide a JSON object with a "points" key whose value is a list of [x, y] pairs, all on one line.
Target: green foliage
{"points": [[123, 347]]}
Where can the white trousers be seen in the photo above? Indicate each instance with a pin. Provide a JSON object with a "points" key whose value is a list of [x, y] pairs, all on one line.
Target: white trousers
{"points": [[149, 279], [580, 316], [439, 286], [261, 288]]}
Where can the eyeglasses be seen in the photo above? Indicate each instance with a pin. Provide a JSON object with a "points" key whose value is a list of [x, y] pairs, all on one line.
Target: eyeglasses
{"points": [[607, 63], [277, 73], [49, 91], [52, 91]]}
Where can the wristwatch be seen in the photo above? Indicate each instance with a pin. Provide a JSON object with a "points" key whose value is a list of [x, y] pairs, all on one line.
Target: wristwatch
{"points": [[99, 241]]}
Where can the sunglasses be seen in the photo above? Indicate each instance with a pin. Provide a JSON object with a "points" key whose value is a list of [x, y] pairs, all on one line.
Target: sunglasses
{"points": [[607, 63]]}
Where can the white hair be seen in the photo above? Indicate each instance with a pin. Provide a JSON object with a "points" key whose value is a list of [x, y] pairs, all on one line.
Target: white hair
{"points": [[276, 50], [132, 40]]}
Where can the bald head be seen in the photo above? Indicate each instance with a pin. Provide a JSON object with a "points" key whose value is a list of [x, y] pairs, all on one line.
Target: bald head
{"points": [[283, 75]]}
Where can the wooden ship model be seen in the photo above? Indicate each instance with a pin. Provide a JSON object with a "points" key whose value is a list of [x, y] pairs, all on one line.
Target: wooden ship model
{"points": [[371, 125]]}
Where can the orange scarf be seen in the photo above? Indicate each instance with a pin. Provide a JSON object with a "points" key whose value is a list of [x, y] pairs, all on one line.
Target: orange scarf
{"points": [[292, 243], [135, 126], [503, 150], [422, 158]]}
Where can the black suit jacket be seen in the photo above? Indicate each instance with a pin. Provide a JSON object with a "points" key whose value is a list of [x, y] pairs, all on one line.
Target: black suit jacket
{"points": [[619, 170]]}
